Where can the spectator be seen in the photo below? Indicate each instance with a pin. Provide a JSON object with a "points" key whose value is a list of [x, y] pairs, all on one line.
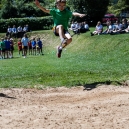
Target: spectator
{"points": [[2, 49], [33, 42], [117, 28], [19, 47], [19, 32], [7, 46], [127, 29], [9, 32], [30, 47], [109, 28], [11, 48], [14, 31], [39, 46], [98, 29], [25, 41], [86, 26], [74, 27]]}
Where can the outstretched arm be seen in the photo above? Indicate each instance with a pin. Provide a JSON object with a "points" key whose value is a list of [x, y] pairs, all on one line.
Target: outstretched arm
{"points": [[40, 7], [78, 14]]}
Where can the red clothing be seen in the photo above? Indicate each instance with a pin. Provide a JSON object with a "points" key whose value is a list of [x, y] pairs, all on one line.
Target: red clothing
{"points": [[29, 44], [19, 45]]}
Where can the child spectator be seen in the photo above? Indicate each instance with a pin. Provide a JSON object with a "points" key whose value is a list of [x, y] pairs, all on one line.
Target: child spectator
{"points": [[25, 41], [9, 32], [39, 46], [2, 49], [11, 48], [30, 47], [7, 46], [19, 47], [98, 29], [19, 32], [14, 31], [33, 42]]}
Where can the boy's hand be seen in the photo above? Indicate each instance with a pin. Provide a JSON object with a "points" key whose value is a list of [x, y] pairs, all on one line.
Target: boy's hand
{"points": [[82, 15], [37, 2]]}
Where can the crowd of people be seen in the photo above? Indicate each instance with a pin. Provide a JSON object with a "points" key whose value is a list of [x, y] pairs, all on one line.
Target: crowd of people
{"points": [[17, 32], [25, 45], [112, 29], [78, 28], [34, 46]]}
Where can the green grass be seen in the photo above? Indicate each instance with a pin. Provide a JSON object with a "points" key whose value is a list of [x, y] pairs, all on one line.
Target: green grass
{"points": [[86, 60]]}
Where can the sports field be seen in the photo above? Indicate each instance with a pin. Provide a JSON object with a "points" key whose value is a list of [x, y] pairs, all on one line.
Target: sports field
{"points": [[84, 89]]}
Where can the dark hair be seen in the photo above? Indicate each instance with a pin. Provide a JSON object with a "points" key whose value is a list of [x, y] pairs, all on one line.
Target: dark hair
{"points": [[62, 1]]}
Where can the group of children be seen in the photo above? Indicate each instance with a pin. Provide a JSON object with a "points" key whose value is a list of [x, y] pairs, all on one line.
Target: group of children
{"points": [[31, 46], [78, 28], [17, 32], [115, 28], [25, 45], [6, 48]]}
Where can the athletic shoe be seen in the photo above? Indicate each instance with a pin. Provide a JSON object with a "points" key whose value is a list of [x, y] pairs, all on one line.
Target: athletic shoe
{"points": [[59, 51], [91, 34]]}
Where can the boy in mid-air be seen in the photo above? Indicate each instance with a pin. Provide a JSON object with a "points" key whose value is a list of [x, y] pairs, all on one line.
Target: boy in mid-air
{"points": [[61, 16]]}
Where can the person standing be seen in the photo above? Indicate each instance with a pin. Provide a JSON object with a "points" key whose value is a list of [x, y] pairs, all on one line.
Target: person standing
{"points": [[19, 47], [39, 46], [25, 41]]}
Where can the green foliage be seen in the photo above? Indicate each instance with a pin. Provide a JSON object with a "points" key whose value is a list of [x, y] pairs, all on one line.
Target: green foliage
{"points": [[118, 7], [34, 23]]}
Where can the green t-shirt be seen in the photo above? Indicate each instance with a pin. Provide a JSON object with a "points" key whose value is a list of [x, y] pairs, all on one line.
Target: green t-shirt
{"points": [[61, 17], [2, 45]]}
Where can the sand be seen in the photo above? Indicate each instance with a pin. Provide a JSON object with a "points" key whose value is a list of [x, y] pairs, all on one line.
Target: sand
{"points": [[104, 107]]}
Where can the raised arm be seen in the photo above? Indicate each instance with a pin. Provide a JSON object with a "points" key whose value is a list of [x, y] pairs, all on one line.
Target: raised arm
{"points": [[40, 7], [78, 14]]}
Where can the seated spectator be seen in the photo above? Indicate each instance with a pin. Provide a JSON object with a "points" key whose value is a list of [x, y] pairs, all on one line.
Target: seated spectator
{"points": [[26, 28], [124, 24], [78, 27], [82, 27], [86, 26], [73, 26], [127, 29], [14, 31], [109, 28], [117, 28], [19, 32], [98, 29], [9, 32]]}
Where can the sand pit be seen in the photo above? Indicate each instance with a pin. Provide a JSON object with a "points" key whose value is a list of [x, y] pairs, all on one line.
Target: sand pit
{"points": [[104, 107]]}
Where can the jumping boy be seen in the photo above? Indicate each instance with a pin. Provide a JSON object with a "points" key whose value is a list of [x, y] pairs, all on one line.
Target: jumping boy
{"points": [[61, 16]]}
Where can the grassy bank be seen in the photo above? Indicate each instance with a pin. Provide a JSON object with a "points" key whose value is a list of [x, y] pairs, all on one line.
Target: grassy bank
{"points": [[86, 60]]}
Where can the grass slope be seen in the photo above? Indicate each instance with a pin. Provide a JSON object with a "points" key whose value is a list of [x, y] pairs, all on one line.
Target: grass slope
{"points": [[86, 60]]}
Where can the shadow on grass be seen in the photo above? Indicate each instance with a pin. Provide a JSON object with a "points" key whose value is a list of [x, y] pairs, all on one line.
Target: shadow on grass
{"points": [[6, 96], [95, 84]]}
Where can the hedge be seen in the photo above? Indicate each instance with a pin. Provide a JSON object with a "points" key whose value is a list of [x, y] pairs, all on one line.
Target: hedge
{"points": [[35, 23]]}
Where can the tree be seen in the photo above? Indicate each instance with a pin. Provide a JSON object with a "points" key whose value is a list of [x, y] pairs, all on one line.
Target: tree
{"points": [[118, 7], [95, 9]]}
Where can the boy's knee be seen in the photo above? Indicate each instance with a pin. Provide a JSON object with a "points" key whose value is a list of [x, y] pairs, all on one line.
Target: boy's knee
{"points": [[69, 40]]}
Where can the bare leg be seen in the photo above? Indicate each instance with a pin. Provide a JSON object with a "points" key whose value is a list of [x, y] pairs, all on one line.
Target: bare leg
{"points": [[60, 31]]}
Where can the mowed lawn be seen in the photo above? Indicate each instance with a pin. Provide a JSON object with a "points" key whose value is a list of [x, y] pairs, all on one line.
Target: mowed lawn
{"points": [[88, 59]]}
